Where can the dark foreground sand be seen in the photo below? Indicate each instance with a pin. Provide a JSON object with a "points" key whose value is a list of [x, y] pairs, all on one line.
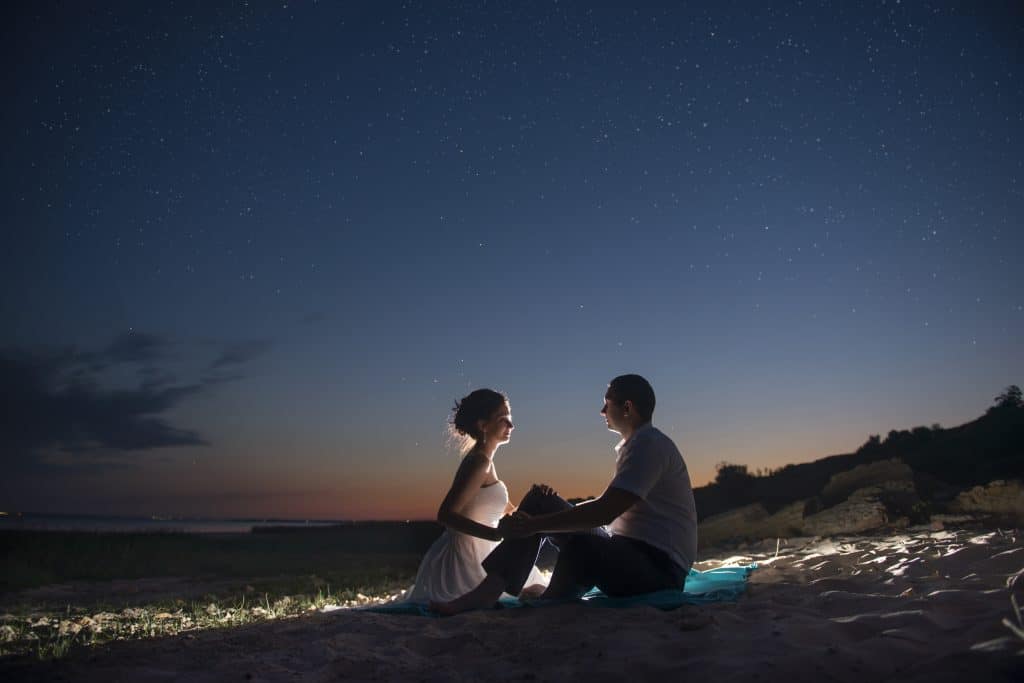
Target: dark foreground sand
{"points": [[919, 605]]}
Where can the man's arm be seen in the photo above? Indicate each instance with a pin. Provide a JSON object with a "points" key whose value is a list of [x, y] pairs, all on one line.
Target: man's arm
{"points": [[593, 513]]}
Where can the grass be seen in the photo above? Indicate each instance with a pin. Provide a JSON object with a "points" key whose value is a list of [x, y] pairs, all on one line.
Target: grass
{"points": [[53, 633], [256, 577]]}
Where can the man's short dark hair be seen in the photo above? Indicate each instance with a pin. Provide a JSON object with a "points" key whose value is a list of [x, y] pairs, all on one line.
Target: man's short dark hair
{"points": [[636, 389]]}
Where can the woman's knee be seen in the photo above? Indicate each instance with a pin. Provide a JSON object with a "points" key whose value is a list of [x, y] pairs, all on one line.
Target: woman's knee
{"points": [[542, 500]]}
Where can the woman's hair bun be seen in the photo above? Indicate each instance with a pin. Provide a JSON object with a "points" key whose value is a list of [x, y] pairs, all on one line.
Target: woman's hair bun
{"points": [[477, 405]]}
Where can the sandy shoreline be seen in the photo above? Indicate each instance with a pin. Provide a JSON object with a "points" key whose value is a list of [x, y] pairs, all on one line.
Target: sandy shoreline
{"points": [[915, 605]]}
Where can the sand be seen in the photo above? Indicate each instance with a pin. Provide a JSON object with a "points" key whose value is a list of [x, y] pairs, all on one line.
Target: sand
{"points": [[918, 605]]}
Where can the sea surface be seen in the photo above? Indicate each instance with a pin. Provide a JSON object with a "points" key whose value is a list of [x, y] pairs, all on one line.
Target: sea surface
{"points": [[41, 522]]}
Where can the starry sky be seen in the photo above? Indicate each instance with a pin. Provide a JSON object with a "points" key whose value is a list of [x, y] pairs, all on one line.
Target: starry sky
{"points": [[254, 251]]}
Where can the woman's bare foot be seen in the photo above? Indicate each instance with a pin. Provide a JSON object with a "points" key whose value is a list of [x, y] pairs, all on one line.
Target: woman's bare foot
{"points": [[484, 595]]}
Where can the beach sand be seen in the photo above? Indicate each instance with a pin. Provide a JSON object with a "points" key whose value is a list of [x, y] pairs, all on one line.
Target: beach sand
{"points": [[917, 605]]}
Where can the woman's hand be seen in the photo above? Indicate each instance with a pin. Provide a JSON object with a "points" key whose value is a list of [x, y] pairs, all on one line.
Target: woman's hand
{"points": [[516, 525]]}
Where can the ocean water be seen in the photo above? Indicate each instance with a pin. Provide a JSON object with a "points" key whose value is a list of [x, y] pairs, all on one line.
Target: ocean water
{"points": [[40, 522]]}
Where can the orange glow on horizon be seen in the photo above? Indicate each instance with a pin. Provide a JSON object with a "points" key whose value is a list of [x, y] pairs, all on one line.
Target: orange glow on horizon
{"points": [[411, 486]]}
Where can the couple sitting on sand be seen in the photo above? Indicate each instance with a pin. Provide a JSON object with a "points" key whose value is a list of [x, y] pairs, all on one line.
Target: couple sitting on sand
{"points": [[489, 546]]}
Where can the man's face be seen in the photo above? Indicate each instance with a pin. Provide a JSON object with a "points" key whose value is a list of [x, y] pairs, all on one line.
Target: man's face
{"points": [[613, 412]]}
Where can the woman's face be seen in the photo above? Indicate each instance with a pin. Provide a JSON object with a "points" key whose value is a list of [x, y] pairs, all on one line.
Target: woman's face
{"points": [[498, 429]]}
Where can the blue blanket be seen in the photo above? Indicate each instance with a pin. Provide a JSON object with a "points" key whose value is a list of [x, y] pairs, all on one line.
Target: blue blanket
{"points": [[715, 585]]}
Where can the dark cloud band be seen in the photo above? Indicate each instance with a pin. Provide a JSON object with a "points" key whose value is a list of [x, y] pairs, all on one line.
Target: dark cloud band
{"points": [[61, 400]]}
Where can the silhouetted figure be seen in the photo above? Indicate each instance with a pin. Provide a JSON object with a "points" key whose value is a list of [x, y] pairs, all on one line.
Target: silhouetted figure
{"points": [[652, 536], [475, 503]]}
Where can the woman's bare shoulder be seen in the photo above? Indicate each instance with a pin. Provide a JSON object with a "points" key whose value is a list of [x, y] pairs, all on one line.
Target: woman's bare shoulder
{"points": [[474, 463]]}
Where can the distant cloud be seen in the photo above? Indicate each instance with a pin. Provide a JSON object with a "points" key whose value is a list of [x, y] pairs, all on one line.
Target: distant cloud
{"points": [[62, 401], [241, 352], [135, 347]]}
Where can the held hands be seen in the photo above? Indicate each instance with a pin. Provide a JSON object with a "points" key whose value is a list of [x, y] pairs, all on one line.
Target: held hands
{"points": [[516, 525]]}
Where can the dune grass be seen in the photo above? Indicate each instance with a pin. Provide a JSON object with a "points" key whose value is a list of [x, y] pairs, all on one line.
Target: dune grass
{"points": [[251, 578], [51, 633]]}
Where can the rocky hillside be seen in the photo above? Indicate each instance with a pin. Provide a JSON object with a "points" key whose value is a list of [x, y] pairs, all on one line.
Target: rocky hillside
{"points": [[911, 477]]}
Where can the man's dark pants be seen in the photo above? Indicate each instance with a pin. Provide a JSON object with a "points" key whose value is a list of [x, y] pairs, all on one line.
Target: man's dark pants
{"points": [[617, 565]]}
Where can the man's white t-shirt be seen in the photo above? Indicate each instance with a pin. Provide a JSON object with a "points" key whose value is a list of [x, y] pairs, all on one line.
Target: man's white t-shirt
{"points": [[650, 466]]}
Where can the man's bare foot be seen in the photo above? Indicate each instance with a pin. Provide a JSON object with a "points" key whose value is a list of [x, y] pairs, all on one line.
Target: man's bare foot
{"points": [[531, 592], [484, 595]]}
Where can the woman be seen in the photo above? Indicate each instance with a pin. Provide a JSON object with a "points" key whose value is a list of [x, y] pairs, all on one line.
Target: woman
{"points": [[475, 503]]}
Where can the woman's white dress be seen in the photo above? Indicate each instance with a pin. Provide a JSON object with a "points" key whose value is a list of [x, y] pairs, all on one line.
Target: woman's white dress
{"points": [[452, 565]]}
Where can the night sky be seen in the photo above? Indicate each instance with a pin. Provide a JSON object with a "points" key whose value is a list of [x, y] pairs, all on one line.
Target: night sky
{"points": [[254, 251]]}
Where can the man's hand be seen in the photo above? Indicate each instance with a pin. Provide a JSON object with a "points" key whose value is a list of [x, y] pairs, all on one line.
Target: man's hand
{"points": [[516, 525]]}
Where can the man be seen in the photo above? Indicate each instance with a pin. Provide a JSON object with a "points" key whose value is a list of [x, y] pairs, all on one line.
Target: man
{"points": [[648, 505]]}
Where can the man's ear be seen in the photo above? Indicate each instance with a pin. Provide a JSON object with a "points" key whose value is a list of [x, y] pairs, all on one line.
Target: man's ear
{"points": [[627, 407]]}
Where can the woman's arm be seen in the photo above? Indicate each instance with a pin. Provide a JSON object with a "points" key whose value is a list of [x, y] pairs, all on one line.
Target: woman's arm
{"points": [[471, 475]]}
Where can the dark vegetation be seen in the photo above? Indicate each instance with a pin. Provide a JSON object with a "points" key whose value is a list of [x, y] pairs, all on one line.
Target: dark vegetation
{"points": [[190, 582], [944, 461], [340, 555]]}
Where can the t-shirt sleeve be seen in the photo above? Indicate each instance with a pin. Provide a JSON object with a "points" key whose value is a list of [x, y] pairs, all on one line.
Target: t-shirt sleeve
{"points": [[638, 471]]}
